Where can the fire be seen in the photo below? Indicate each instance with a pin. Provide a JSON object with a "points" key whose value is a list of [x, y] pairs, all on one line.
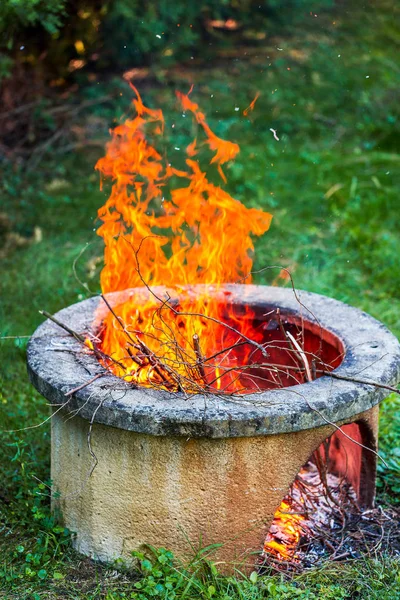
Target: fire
{"points": [[315, 504], [285, 532], [169, 227]]}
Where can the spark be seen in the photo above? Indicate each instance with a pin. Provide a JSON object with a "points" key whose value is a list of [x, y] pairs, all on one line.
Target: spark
{"points": [[275, 135], [251, 105]]}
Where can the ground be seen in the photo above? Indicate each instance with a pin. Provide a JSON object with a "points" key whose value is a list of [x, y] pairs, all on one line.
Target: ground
{"points": [[331, 181]]}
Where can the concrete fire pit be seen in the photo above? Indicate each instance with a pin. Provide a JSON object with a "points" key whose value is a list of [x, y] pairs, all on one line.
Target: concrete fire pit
{"points": [[207, 469]]}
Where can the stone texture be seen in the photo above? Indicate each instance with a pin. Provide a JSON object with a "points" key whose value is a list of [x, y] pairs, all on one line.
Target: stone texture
{"points": [[206, 469], [176, 492], [56, 365]]}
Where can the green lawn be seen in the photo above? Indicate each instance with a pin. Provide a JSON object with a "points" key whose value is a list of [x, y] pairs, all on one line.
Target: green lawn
{"points": [[331, 182]]}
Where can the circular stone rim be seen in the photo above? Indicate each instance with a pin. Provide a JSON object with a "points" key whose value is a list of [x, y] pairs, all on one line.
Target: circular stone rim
{"points": [[57, 365]]}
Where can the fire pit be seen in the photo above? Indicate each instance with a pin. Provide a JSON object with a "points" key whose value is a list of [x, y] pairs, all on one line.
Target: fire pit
{"points": [[183, 413], [133, 465]]}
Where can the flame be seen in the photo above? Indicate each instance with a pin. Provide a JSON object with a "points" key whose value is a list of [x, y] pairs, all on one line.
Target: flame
{"points": [[285, 532], [311, 506], [251, 105], [164, 226]]}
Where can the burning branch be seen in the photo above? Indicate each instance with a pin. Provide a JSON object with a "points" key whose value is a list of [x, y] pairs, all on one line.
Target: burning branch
{"points": [[85, 341], [200, 359]]}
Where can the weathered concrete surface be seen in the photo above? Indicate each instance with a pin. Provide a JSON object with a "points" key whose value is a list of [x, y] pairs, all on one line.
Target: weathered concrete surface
{"points": [[208, 469], [169, 491], [56, 365]]}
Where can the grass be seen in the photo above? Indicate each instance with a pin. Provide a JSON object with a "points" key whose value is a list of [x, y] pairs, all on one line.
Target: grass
{"points": [[331, 183]]}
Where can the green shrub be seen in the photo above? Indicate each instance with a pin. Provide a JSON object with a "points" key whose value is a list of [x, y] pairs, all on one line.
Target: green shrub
{"points": [[134, 32], [126, 33], [17, 15], [389, 448]]}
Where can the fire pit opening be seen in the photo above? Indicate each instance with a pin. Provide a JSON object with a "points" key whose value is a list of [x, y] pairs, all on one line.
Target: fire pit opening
{"points": [[325, 500], [245, 350]]}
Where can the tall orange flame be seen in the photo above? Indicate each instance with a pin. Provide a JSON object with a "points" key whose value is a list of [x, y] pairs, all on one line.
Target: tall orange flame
{"points": [[170, 227]]}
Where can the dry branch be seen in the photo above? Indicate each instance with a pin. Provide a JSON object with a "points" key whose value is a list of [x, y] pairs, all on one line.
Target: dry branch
{"points": [[74, 334], [383, 386], [302, 356], [81, 387], [199, 359], [80, 339]]}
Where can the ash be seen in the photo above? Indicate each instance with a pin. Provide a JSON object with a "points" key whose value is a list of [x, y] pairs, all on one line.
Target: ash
{"points": [[320, 520]]}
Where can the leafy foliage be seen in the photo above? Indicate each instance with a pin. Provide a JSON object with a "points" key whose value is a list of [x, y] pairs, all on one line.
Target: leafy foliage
{"points": [[17, 15], [44, 539], [389, 425], [128, 33], [26, 13], [162, 577], [163, 32]]}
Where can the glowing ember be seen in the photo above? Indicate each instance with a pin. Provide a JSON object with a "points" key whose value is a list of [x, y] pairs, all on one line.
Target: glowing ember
{"points": [[285, 532], [168, 227], [311, 509]]}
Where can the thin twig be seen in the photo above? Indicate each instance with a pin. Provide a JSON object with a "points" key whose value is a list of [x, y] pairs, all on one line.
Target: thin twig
{"points": [[338, 428], [200, 358], [189, 314], [74, 334], [81, 339], [302, 355], [356, 380], [80, 387], [285, 334]]}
